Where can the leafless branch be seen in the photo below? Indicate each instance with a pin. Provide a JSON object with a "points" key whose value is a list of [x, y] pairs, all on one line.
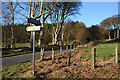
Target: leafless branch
{"points": [[22, 7], [21, 14]]}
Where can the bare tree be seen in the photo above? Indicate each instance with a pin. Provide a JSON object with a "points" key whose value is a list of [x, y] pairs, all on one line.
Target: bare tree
{"points": [[38, 10], [8, 12], [59, 15]]}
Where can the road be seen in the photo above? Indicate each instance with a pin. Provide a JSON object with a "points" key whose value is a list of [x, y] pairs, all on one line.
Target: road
{"points": [[24, 57]]}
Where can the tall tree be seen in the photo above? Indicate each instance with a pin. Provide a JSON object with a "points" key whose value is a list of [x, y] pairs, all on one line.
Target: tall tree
{"points": [[39, 11], [8, 12], [59, 15], [106, 24], [96, 32], [112, 23], [68, 31], [116, 23]]}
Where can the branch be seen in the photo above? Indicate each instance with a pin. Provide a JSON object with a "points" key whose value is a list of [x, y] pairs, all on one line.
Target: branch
{"points": [[47, 16], [22, 7], [15, 7], [21, 14], [47, 11], [29, 9], [23, 19], [41, 9], [52, 23], [50, 9], [36, 7]]}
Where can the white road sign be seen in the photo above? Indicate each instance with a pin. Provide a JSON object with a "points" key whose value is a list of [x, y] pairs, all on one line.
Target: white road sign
{"points": [[34, 28]]}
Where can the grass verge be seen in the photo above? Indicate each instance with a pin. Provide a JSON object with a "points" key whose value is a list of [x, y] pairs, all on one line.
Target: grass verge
{"points": [[16, 70]]}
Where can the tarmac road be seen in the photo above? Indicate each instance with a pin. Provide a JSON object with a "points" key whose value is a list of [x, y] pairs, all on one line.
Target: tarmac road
{"points": [[6, 61]]}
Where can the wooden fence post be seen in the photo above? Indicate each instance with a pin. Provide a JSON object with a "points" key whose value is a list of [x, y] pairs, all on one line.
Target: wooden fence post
{"points": [[116, 55], [113, 56], [52, 54], [42, 53], [70, 46], [69, 56], [93, 58], [60, 49], [66, 48], [66, 42], [74, 46]]}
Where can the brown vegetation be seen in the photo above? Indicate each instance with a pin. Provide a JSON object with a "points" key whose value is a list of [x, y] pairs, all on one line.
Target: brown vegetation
{"points": [[80, 67]]}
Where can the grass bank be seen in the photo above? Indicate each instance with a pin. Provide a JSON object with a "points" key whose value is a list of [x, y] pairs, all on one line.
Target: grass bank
{"points": [[105, 50]]}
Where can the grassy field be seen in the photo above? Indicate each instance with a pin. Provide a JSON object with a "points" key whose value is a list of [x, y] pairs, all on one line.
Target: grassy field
{"points": [[17, 45], [104, 49]]}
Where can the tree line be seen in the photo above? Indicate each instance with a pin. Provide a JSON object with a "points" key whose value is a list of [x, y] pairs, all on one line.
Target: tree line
{"points": [[56, 12], [58, 28], [110, 24], [72, 31]]}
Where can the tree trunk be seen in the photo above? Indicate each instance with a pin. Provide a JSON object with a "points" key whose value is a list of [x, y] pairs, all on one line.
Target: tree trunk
{"points": [[43, 20], [12, 27], [55, 39], [41, 38], [12, 37], [109, 36], [114, 33], [41, 33], [62, 34], [118, 32]]}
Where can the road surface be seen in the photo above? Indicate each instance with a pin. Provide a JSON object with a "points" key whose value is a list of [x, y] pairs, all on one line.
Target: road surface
{"points": [[24, 57]]}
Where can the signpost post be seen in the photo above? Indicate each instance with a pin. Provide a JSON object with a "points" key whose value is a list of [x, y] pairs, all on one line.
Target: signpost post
{"points": [[33, 52], [33, 29]]}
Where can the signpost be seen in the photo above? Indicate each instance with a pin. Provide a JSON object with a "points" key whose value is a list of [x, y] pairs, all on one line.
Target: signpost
{"points": [[33, 29], [34, 21]]}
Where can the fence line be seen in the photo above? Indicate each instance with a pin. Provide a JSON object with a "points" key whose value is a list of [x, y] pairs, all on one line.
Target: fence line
{"points": [[93, 55]]}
